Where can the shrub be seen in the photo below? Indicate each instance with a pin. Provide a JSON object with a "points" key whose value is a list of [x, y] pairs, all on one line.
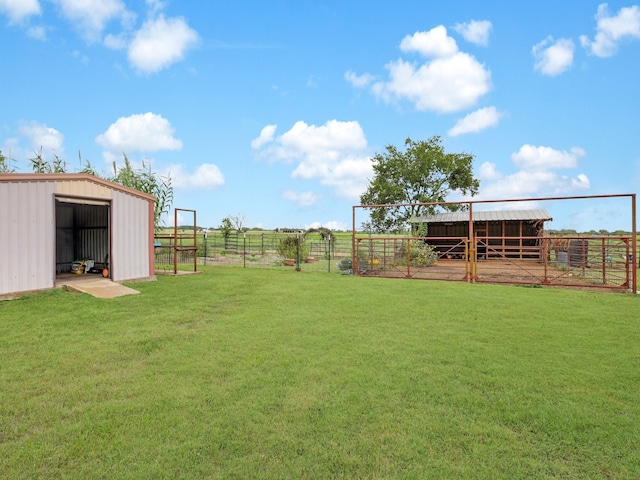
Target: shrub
{"points": [[288, 247], [420, 254]]}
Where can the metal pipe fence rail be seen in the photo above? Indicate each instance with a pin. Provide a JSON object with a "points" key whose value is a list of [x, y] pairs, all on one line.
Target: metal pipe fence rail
{"points": [[588, 262], [578, 261]]}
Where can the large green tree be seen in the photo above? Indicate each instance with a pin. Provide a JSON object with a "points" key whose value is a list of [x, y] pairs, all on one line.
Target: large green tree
{"points": [[422, 173]]}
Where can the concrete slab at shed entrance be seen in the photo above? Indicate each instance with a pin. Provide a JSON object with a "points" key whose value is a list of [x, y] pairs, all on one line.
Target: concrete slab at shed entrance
{"points": [[97, 287]]}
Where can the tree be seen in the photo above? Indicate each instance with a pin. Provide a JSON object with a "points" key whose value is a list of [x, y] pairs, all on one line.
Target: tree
{"points": [[238, 222], [423, 173]]}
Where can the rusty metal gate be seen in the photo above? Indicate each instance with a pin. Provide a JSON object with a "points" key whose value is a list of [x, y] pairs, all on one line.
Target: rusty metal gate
{"points": [[589, 262]]}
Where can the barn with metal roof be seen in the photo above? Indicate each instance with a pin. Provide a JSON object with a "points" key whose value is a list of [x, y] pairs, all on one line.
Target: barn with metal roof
{"points": [[497, 233]]}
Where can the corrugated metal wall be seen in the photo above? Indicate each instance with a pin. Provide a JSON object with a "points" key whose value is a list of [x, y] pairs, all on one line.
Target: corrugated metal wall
{"points": [[130, 236], [82, 232], [27, 236]]}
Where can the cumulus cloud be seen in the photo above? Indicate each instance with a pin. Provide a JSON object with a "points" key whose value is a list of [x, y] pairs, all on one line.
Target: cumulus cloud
{"points": [[611, 30], [532, 158], [537, 175], [476, 121], [40, 135], [449, 80], [33, 138], [91, 17], [434, 43], [160, 43], [553, 57], [487, 171], [266, 136], [475, 31], [19, 10], [302, 199], [335, 154], [359, 81], [206, 177], [147, 132]]}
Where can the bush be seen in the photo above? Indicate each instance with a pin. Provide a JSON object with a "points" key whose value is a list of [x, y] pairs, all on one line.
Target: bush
{"points": [[288, 247], [420, 254]]}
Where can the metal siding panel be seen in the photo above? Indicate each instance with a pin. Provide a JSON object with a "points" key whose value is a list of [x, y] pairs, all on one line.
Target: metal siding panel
{"points": [[83, 188], [130, 237], [26, 245]]}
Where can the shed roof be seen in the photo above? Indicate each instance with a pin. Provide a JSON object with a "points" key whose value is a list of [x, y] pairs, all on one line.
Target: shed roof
{"points": [[482, 216], [70, 177]]}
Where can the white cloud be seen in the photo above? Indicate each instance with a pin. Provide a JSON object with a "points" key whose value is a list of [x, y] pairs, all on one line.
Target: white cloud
{"points": [[39, 135], [434, 43], [91, 17], [611, 30], [449, 81], [303, 199], [33, 138], [331, 225], [159, 43], [532, 158], [359, 81], [336, 154], [553, 57], [155, 6], [147, 132], [475, 31], [476, 121], [536, 176], [206, 177], [115, 42], [442, 85], [19, 10], [266, 136], [487, 171], [37, 32]]}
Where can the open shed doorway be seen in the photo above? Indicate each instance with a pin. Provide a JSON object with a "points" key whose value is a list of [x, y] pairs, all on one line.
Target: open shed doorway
{"points": [[82, 234]]}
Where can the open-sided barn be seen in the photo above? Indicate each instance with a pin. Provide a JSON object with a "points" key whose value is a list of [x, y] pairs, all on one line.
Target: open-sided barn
{"points": [[50, 221], [498, 234]]}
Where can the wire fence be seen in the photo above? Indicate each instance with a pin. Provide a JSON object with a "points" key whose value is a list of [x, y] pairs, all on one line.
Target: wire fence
{"points": [[251, 250]]}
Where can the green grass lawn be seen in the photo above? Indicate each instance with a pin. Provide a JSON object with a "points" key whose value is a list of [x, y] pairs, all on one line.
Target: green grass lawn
{"points": [[243, 374]]}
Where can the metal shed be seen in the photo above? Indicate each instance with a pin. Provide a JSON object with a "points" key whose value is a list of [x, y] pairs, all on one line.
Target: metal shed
{"points": [[498, 233], [48, 221]]}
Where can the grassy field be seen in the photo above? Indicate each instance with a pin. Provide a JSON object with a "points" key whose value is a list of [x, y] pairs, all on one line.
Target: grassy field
{"points": [[270, 374]]}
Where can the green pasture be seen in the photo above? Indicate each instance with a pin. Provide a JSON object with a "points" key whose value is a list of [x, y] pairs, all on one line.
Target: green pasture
{"points": [[278, 374]]}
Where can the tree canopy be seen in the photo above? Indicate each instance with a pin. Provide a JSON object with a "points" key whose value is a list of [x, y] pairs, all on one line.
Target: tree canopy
{"points": [[422, 173]]}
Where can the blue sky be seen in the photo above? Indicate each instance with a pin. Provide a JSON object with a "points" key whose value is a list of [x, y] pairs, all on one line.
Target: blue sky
{"points": [[271, 110]]}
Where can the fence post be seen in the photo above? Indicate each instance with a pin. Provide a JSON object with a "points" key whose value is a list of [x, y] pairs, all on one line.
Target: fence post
{"points": [[205, 247]]}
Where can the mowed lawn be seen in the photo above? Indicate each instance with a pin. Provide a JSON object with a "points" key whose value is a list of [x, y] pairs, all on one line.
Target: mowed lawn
{"points": [[275, 374]]}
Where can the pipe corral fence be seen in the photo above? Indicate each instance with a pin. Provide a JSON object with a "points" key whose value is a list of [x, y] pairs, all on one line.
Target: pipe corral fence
{"points": [[489, 250], [499, 249]]}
